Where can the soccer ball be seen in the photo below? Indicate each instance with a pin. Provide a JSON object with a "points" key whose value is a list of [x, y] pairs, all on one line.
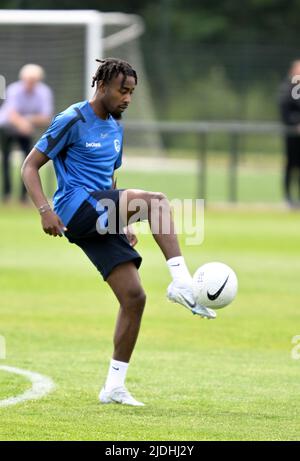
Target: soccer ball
{"points": [[214, 285]]}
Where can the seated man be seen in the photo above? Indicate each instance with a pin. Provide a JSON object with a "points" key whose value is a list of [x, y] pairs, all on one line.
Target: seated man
{"points": [[28, 105]]}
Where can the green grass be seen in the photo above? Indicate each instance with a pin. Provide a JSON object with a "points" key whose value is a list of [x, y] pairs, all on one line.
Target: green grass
{"points": [[228, 379], [11, 381]]}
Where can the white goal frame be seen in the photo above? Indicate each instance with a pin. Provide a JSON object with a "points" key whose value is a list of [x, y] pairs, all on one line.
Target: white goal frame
{"points": [[94, 22]]}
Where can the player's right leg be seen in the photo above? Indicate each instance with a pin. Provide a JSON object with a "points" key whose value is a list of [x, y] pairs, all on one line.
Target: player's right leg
{"points": [[118, 264], [155, 207]]}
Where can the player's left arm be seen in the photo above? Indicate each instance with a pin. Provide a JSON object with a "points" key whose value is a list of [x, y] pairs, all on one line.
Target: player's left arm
{"points": [[113, 182], [128, 230]]}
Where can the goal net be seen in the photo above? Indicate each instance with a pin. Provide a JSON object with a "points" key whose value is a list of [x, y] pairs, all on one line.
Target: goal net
{"points": [[66, 44]]}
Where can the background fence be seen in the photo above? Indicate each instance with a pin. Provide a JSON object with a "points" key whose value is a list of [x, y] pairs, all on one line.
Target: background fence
{"points": [[239, 172], [180, 80]]}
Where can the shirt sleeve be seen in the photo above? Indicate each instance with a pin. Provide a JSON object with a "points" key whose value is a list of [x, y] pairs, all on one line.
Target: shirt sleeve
{"points": [[60, 134]]}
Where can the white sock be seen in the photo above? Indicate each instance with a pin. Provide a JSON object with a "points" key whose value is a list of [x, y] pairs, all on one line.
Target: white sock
{"points": [[116, 374], [178, 269]]}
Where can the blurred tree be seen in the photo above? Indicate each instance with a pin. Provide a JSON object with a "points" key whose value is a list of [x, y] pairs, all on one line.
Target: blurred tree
{"points": [[239, 47], [191, 20]]}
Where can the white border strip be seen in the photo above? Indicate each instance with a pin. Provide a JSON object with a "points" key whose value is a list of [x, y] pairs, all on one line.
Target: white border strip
{"points": [[41, 386]]}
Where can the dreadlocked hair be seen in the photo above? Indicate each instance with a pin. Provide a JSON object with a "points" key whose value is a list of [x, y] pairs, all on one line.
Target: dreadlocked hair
{"points": [[112, 67]]}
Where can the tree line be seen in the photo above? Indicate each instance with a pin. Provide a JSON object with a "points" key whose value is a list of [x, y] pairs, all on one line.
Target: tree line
{"points": [[217, 21]]}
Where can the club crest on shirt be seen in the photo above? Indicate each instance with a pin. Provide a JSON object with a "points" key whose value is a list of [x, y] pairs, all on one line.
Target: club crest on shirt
{"points": [[117, 145]]}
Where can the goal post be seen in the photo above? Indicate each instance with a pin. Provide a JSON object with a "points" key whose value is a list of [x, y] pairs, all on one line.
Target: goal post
{"points": [[93, 21], [67, 43]]}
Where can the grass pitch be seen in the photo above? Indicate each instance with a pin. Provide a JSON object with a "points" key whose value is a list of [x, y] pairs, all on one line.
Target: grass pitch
{"points": [[229, 379]]}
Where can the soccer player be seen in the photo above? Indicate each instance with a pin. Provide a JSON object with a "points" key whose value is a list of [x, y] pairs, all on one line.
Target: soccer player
{"points": [[85, 144]]}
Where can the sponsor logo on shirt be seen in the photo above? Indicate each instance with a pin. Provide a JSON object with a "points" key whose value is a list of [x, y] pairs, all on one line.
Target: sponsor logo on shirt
{"points": [[93, 144]]}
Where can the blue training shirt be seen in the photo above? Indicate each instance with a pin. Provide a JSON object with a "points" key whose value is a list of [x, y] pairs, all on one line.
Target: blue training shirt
{"points": [[85, 151]]}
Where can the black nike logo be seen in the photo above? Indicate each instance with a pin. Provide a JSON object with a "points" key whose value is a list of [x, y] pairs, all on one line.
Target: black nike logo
{"points": [[215, 295], [174, 265], [116, 368]]}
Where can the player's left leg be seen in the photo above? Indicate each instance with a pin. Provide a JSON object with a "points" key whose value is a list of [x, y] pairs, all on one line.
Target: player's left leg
{"points": [[155, 207], [125, 282]]}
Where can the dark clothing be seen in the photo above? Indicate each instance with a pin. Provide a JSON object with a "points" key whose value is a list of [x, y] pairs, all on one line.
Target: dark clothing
{"points": [[37, 101], [9, 138], [105, 250], [289, 106], [290, 116]]}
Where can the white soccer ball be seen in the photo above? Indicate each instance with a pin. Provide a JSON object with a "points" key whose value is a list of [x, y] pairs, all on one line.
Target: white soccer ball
{"points": [[215, 285]]}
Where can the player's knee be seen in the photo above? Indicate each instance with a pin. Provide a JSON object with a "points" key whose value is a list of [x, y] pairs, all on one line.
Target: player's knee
{"points": [[160, 196], [144, 199], [158, 200], [135, 299], [138, 299]]}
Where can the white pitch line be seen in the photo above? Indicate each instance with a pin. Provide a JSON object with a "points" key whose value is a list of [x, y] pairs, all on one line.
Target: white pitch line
{"points": [[41, 386]]}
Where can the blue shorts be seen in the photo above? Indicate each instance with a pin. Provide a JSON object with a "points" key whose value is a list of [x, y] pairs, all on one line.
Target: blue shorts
{"points": [[105, 250]]}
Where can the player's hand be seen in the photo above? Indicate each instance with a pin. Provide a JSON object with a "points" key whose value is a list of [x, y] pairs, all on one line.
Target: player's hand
{"points": [[132, 238], [52, 224]]}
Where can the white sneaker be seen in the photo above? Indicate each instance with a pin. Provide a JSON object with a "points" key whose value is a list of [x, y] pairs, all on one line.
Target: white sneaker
{"points": [[118, 395], [182, 293]]}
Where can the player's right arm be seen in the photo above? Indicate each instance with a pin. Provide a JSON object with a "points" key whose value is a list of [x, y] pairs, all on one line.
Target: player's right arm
{"points": [[51, 223]]}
